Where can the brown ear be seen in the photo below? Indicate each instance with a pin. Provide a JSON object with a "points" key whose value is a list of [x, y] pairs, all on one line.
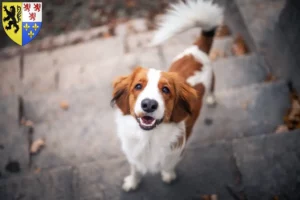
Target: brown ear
{"points": [[185, 96], [121, 93]]}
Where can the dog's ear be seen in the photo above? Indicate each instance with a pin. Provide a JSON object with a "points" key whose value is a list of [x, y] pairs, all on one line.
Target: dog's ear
{"points": [[121, 93], [185, 96], [121, 87]]}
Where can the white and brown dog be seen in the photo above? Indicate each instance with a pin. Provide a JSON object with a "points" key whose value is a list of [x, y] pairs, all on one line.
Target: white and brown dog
{"points": [[156, 110]]}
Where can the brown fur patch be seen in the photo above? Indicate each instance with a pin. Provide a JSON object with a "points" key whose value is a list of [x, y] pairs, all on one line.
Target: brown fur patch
{"points": [[204, 42], [185, 96], [186, 66], [122, 87]]}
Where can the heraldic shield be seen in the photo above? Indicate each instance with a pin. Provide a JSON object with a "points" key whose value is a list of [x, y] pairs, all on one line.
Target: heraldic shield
{"points": [[22, 21]]}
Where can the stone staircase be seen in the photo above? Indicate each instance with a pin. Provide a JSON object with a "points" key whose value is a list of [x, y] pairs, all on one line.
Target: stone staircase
{"points": [[234, 152]]}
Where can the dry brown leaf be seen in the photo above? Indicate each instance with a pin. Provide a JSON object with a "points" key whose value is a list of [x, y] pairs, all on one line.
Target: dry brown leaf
{"points": [[270, 78], [281, 129], [37, 145], [276, 198], [222, 31], [23, 121], [214, 197], [131, 29], [64, 105], [130, 3], [37, 170], [292, 118], [205, 197], [106, 35], [215, 54], [245, 105], [239, 46], [29, 123]]}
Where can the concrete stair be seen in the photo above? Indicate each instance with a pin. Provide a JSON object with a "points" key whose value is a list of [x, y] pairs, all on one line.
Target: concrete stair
{"points": [[248, 111], [237, 72], [233, 151], [239, 175]]}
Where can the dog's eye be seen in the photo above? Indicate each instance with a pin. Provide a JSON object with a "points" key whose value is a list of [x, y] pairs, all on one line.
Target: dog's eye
{"points": [[165, 90], [138, 86]]}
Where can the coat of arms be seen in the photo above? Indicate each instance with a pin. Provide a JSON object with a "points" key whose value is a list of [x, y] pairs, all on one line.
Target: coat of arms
{"points": [[22, 21]]}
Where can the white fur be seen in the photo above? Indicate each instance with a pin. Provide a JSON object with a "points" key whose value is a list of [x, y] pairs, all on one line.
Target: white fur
{"points": [[149, 151], [194, 50], [204, 76], [151, 91], [183, 16]]}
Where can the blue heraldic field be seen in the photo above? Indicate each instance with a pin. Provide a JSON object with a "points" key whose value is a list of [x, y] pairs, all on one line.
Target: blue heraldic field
{"points": [[29, 31]]}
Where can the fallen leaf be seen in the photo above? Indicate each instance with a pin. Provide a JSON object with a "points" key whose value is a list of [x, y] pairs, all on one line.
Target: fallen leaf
{"points": [[23, 121], [205, 197], [239, 47], [276, 198], [270, 78], [282, 129], [292, 118], [106, 35], [29, 123], [215, 54], [36, 146], [64, 105], [214, 197], [131, 29], [245, 105], [37, 170], [223, 31], [130, 3]]}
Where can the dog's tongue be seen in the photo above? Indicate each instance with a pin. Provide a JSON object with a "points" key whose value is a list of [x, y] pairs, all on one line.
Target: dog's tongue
{"points": [[147, 120]]}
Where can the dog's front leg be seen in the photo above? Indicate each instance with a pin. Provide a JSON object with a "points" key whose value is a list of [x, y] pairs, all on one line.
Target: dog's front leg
{"points": [[168, 176], [132, 181]]}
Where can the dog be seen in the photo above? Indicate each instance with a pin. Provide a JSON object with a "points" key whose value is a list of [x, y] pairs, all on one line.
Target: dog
{"points": [[156, 110]]}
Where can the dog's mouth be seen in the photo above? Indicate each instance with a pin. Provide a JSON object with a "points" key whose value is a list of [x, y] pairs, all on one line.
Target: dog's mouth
{"points": [[148, 123]]}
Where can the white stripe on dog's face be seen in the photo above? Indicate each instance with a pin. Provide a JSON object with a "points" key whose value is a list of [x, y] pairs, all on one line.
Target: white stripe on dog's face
{"points": [[151, 91]]}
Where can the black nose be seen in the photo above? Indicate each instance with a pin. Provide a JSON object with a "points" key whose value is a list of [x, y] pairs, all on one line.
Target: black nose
{"points": [[149, 105]]}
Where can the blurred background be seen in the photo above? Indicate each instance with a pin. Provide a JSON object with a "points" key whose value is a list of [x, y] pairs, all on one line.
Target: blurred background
{"points": [[57, 129], [62, 16]]}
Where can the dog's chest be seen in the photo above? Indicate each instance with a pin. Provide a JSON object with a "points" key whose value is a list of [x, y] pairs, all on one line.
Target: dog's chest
{"points": [[151, 150]]}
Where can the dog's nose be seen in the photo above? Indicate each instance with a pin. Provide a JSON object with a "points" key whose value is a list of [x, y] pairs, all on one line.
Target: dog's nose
{"points": [[149, 105]]}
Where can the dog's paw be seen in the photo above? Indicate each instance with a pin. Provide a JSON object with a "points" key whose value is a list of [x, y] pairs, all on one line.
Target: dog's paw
{"points": [[130, 183], [211, 100], [168, 177]]}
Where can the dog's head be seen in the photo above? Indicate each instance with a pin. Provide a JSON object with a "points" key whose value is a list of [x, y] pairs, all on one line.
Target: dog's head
{"points": [[153, 97]]}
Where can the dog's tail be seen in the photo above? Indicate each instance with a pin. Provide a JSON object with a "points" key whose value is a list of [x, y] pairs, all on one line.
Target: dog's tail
{"points": [[183, 16]]}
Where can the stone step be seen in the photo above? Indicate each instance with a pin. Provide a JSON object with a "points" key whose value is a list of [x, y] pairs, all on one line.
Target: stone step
{"points": [[221, 48], [95, 69], [55, 184], [198, 175], [10, 76], [234, 20], [226, 169], [271, 25], [248, 111], [239, 71], [270, 165], [259, 167], [14, 144], [97, 83], [42, 71], [176, 45], [89, 122]]}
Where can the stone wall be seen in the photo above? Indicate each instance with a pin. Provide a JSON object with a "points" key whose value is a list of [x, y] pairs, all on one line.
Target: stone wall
{"points": [[287, 41]]}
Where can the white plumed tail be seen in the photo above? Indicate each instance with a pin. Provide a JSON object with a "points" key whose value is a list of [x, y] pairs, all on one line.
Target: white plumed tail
{"points": [[183, 16]]}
